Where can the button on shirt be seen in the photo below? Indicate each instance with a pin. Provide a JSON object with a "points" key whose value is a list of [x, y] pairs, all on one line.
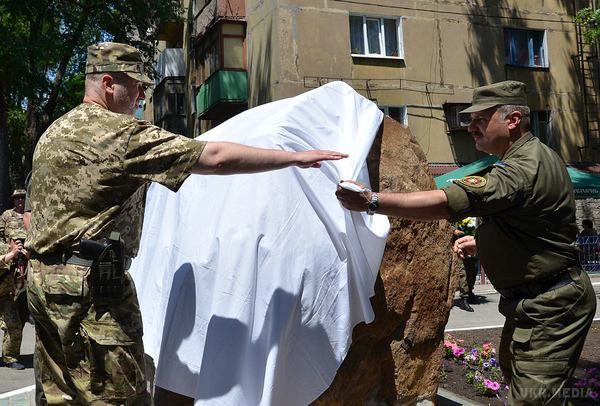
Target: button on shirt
{"points": [[527, 206]]}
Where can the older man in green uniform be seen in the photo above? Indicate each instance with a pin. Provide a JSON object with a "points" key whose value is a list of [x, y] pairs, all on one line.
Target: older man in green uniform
{"points": [[90, 172], [525, 242]]}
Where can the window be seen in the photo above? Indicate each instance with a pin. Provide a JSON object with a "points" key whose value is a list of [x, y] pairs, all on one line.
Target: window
{"points": [[526, 48], [221, 48], [540, 126], [398, 113], [453, 119], [374, 36]]}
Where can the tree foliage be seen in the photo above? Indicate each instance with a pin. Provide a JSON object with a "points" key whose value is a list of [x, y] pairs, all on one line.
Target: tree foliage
{"points": [[589, 19], [42, 61]]}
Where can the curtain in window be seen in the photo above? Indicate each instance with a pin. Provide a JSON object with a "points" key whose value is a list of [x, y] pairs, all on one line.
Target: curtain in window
{"points": [[373, 36], [391, 37], [357, 40]]}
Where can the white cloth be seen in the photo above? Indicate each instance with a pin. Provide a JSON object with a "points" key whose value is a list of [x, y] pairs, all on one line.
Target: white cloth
{"points": [[250, 285]]}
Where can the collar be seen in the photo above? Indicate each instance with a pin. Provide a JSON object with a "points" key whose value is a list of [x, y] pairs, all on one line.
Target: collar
{"points": [[516, 145]]}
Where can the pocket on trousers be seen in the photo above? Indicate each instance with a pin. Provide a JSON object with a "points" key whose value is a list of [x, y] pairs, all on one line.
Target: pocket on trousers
{"points": [[70, 285], [522, 335]]}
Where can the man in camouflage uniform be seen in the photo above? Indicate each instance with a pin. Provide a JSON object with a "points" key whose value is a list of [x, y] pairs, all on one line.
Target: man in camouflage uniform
{"points": [[90, 173], [12, 234], [11, 322], [525, 243], [11, 221]]}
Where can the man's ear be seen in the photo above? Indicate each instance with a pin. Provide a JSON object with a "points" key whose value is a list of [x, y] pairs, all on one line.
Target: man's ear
{"points": [[514, 120], [107, 83]]}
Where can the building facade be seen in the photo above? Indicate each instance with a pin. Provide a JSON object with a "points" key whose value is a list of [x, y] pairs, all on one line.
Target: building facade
{"points": [[418, 60]]}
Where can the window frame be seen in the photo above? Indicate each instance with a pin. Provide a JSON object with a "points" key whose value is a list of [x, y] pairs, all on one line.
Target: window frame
{"points": [[382, 39], [510, 58]]}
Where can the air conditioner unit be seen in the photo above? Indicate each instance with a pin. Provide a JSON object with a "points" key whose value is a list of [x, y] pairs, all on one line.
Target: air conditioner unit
{"points": [[453, 119]]}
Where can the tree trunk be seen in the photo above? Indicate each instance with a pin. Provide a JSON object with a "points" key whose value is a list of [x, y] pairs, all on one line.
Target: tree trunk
{"points": [[48, 115], [4, 178]]}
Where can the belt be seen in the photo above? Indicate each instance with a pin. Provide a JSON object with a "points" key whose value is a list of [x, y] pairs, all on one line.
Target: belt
{"points": [[65, 257], [71, 258], [532, 289]]}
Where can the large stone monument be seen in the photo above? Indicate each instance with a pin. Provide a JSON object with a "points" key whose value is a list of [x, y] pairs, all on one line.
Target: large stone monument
{"points": [[396, 359]]}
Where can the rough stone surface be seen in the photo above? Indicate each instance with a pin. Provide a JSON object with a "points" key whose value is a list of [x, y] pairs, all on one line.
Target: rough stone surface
{"points": [[396, 359]]}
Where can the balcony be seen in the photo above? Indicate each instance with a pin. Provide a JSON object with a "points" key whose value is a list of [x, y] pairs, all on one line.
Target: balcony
{"points": [[215, 10], [170, 63], [223, 95]]}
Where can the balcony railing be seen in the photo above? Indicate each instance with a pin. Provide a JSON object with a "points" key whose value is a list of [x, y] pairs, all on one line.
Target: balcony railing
{"points": [[223, 87]]}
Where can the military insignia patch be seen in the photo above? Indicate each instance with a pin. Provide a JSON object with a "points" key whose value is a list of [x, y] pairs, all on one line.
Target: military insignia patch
{"points": [[472, 181]]}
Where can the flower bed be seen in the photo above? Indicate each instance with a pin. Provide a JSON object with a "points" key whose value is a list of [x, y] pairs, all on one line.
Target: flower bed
{"points": [[470, 369]]}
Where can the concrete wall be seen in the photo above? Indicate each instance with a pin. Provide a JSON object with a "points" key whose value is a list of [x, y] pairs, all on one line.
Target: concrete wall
{"points": [[450, 47]]}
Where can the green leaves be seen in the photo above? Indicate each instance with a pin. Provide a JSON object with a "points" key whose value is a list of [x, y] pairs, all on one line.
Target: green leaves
{"points": [[589, 19]]}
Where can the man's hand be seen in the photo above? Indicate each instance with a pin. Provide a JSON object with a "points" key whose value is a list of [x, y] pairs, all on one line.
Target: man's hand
{"points": [[15, 248], [312, 159], [465, 247], [356, 201]]}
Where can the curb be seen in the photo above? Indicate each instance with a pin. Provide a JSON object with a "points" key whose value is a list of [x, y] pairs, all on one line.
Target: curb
{"points": [[447, 398]]}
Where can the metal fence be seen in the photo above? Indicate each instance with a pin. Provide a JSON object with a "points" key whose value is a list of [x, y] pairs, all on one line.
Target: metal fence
{"points": [[589, 253]]}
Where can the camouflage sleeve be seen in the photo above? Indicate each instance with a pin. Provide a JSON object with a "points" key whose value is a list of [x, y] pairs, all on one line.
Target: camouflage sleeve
{"points": [[157, 155], [3, 222], [501, 189]]}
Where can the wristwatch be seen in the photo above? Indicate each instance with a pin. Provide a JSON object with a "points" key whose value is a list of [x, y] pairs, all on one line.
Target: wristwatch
{"points": [[373, 205]]}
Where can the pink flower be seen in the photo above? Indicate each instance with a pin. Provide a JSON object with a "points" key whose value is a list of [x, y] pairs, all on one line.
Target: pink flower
{"points": [[492, 385], [487, 346], [458, 351]]}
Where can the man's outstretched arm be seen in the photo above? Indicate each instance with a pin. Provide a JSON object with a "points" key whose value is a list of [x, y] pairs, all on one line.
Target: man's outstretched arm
{"points": [[428, 205], [227, 158]]}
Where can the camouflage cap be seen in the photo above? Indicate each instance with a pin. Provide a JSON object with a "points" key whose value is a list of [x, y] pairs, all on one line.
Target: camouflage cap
{"points": [[496, 94], [116, 57], [18, 193]]}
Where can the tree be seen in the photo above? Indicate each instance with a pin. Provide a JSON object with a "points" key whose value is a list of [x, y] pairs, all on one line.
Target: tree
{"points": [[42, 63], [589, 19]]}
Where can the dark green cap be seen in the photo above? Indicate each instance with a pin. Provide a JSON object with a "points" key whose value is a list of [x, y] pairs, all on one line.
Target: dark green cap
{"points": [[116, 57], [496, 94]]}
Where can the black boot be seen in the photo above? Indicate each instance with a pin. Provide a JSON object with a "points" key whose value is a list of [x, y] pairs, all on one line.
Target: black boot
{"points": [[473, 298], [463, 303]]}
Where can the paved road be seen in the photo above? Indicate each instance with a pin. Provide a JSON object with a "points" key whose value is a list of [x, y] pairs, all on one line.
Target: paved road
{"points": [[486, 313], [485, 316]]}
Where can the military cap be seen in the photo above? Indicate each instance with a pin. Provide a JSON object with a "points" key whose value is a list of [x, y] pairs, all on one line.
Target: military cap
{"points": [[496, 94], [18, 192], [116, 57]]}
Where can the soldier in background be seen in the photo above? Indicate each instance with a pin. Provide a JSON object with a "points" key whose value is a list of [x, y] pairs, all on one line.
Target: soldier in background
{"points": [[11, 322], [91, 169], [11, 221]]}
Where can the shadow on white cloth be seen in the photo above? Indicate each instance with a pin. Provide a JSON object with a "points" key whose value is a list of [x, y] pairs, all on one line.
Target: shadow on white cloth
{"points": [[250, 285]]}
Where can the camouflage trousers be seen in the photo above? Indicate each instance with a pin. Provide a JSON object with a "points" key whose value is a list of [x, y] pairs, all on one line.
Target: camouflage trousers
{"points": [[13, 329], [88, 351], [542, 340]]}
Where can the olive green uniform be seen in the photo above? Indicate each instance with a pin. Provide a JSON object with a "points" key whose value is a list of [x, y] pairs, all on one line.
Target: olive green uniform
{"points": [[90, 173], [526, 245], [467, 276]]}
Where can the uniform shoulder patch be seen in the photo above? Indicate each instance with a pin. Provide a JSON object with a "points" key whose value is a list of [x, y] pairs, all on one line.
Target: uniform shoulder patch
{"points": [[472, 181]]}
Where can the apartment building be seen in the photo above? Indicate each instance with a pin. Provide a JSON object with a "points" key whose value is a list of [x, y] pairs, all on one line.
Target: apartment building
{"points": [[417, 60]]}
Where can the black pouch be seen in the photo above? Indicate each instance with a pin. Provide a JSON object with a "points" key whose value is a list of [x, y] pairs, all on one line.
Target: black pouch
{"points": [[106, 276]]}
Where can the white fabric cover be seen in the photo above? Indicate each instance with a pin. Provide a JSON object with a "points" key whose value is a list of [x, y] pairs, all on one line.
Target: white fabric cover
{"points": [[250, 285]]}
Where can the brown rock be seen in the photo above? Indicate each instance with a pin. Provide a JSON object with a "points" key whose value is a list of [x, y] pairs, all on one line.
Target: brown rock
{"points": [[396, 359]]}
